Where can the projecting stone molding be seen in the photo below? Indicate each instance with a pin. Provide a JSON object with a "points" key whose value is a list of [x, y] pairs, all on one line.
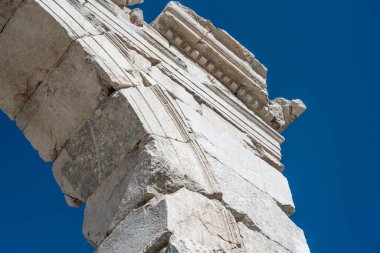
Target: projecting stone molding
{"points": [[228, 61], [165, 130]]}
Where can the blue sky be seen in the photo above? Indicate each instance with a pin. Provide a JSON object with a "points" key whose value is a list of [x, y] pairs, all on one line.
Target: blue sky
{"points": [[324, 52]]}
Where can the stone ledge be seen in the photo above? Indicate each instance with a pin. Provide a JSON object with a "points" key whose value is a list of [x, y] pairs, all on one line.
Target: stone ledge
{"points": [[226, 60], [196, 41], [185, 214]]}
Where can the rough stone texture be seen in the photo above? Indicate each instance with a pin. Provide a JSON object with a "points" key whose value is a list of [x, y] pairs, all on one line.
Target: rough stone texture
{"points": [[22, 73], [291, 109], [256, 242], [73, 202], [72, 91], [115, 130], [258, 210], [165, 131], [177, 245], [7, 8], [185, 214], [35, 89], [160, 167], [133, 2], [123, 3], [218, 141], [137, 17]]}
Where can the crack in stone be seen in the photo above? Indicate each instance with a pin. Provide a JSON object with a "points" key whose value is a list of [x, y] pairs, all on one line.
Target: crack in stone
{"points": [[9, 19], [250, 224], [55, 66], [159, 243]]}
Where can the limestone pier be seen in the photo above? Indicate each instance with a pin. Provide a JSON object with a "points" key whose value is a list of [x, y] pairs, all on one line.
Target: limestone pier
{"points": [[165, 130]]}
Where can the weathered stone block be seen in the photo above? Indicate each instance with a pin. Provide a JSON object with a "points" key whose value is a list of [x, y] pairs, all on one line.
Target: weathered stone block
{"points": [[21, 73], [62, 102], [184, 214], [182, 245], [258, 210], [255, 241], [137, 17], [71, 62], [133, 2], [123, 3], [226, 144], [115, 129], [153, 167], [186, 147]]}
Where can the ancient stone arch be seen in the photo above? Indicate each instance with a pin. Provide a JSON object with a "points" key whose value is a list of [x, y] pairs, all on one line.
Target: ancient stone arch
{"points": [[165, 130]]}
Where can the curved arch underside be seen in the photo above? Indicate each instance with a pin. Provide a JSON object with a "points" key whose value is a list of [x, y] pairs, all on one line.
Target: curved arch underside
{"points": [[165, 131]]}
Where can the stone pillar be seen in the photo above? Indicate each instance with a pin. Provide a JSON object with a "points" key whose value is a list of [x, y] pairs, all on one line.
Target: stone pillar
{"points": [[166, 130]]}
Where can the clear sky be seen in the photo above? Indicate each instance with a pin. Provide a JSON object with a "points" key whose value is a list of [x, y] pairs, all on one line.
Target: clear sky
{"points": [[325, 52]]}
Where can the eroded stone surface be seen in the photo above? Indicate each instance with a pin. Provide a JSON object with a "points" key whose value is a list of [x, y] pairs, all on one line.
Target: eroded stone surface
{"points": [[123, 3], [72, 92], [21, 73], [221, 141], [133, 2], [154, 167], [184, 156], [291, 109], [137, 17], [177, 245], [76, 67], [115, 129], [185, 214], [256, 242], [258, 210], [7, 9]]}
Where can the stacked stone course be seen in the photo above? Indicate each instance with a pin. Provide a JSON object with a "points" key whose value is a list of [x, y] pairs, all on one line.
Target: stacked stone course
{"points": [[166, 131]]}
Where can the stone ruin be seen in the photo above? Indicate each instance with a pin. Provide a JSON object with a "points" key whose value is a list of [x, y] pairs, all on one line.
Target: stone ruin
{"points": [[164, 130]]}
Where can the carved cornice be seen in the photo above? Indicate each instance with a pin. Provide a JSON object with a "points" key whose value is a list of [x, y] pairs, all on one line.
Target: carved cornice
{"points": [[212, 95], [224, 58]]}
